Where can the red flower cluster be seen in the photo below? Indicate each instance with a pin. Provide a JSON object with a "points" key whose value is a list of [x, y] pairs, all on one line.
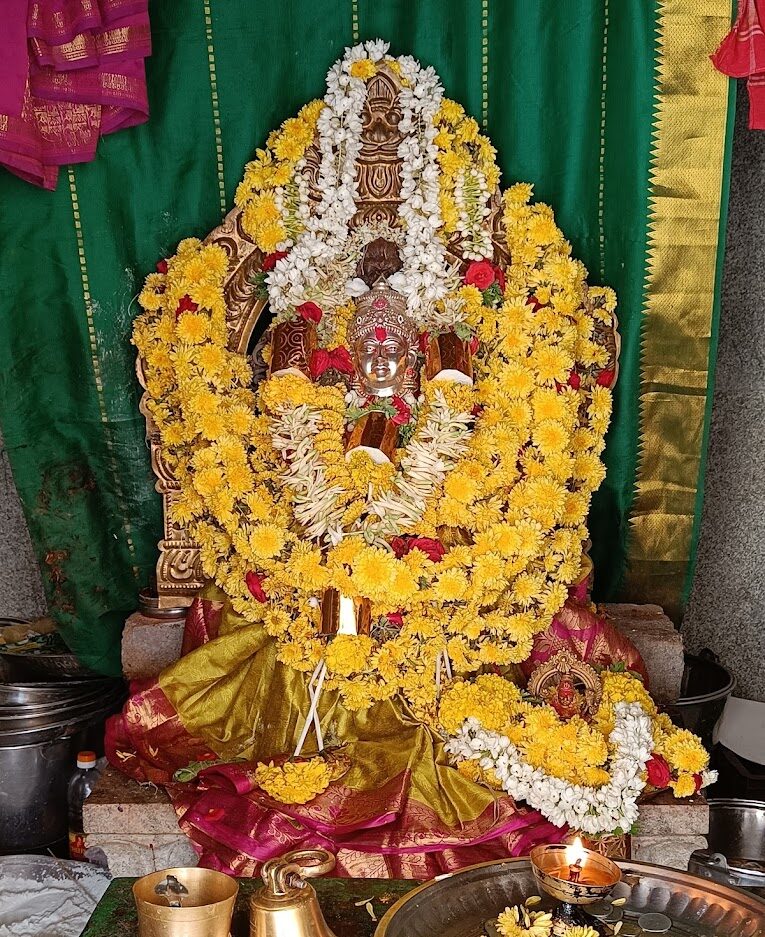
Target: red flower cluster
{"points": [[270, 260], [186, 304], [309, 311], [431, 548], [403, 413], [659, 774], [255, 585], [606, 378], [483, 274], [161, 266]]}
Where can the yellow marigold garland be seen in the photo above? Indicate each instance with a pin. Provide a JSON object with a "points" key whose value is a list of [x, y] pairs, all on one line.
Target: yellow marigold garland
{"points": [[271, 178], [512, 510], [573, 750], [294, 782]]}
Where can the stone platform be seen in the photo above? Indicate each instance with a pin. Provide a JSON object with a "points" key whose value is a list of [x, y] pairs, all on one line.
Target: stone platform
{"points": [[136, 828]]}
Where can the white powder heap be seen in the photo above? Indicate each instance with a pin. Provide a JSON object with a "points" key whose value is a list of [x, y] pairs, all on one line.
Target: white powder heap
{"points": [[39, 899]]}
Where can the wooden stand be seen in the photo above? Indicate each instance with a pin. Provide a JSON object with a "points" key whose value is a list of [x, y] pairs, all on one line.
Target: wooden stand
{"points": [[291, 346], [375, 434], [448, 358]]}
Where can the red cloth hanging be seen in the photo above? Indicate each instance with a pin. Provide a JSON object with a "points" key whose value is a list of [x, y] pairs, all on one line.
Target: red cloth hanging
{"points": [[70, 71], [741, 54]]}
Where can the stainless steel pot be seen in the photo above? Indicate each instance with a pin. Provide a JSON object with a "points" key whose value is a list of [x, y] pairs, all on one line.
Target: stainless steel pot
{"points": [[37, 754], [736, 853], [23, 720], [22, 694]]}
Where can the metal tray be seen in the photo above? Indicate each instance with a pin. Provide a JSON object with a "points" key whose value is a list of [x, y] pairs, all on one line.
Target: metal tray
{"points": [[458, 904]]}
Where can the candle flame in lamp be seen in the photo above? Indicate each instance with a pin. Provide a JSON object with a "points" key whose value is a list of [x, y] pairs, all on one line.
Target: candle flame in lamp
{"points": [[576, 856]]}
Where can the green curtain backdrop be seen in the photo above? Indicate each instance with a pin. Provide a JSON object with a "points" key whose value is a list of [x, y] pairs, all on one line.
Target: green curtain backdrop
{"points": [[570, 92]]}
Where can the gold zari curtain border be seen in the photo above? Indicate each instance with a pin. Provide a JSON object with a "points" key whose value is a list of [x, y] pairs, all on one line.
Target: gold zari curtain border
{"points": [[686, 182]]}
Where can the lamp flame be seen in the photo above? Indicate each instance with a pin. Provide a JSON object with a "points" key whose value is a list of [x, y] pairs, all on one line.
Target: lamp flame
{"points": [[576, 853]]}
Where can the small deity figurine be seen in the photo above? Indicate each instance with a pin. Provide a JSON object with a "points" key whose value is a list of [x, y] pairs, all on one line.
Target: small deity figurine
{"points": [[382, 340], [565, 699]]}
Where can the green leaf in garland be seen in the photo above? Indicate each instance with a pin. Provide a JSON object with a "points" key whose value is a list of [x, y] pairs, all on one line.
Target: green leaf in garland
{"points": [[463, 331]]}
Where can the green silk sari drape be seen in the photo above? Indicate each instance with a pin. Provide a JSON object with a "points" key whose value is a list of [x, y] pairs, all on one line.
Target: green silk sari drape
{"points": [[612, 110]]}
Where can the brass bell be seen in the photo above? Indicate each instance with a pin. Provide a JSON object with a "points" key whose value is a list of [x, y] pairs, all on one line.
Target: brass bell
{"points": [[286, 905]]}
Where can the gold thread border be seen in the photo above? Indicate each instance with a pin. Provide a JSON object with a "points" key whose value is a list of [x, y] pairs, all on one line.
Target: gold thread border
{"points": [[355, 21], [214, 99], [484, 64], [96, 365], [686, 176], [602, 144]]}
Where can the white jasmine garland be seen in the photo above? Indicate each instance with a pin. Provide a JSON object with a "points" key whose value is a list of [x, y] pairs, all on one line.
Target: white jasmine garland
{"points": [[339, 139], [422, 278], [593, 810], [324, 233], [293, 203], [471, 196]]}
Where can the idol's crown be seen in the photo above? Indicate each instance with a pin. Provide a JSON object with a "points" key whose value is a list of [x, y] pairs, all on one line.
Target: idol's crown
{"points": [[382, 308]]}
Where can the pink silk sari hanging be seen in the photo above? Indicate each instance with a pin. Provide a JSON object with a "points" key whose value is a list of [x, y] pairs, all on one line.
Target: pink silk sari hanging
{"points": [[72, 70], [741, 54]]}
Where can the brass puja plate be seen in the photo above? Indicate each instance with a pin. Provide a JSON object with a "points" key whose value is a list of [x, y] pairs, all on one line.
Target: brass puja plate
{"points": [[458, 904]]}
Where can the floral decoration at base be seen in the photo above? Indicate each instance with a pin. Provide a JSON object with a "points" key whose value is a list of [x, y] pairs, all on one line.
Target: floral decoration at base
{"points": [[587, 776]]}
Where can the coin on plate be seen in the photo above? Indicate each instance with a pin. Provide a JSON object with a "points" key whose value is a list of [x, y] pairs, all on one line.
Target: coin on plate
{"points": [[654, 923]]}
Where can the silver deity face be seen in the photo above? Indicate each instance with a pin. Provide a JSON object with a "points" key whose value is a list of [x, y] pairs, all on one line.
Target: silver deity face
{"points": [[381, 363]]}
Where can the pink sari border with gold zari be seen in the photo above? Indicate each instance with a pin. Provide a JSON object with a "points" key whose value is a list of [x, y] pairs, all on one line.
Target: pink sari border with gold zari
{"points": [[85, 77]]}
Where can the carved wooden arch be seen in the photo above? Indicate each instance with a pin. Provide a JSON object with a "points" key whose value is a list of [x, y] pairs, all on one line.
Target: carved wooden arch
{"points": [[179, 571]]}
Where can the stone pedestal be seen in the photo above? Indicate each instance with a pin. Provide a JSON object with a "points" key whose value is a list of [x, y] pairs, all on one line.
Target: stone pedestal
{"points": [[134, 826], [150, 644], [669, 830], [659, 643]]}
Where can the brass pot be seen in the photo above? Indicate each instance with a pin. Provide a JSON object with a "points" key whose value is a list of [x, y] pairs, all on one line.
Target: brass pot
{"points": [[185, 903]]}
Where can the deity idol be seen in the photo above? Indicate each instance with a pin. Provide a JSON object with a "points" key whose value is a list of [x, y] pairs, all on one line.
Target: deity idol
{"points": [[395, 516], [383, 343]]}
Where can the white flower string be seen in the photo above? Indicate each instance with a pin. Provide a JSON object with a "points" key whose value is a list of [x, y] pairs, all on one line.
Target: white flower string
{"points": [[433, 450], [294, 205], [422, 278], [324, 233], [471, 195], [339, 137]]}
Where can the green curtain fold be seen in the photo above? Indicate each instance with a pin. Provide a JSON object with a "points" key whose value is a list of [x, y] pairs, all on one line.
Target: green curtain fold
{"points": [[569, 92]]}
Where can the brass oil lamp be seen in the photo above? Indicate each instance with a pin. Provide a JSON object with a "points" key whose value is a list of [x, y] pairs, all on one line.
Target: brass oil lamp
{"points": [[575, 877]]}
